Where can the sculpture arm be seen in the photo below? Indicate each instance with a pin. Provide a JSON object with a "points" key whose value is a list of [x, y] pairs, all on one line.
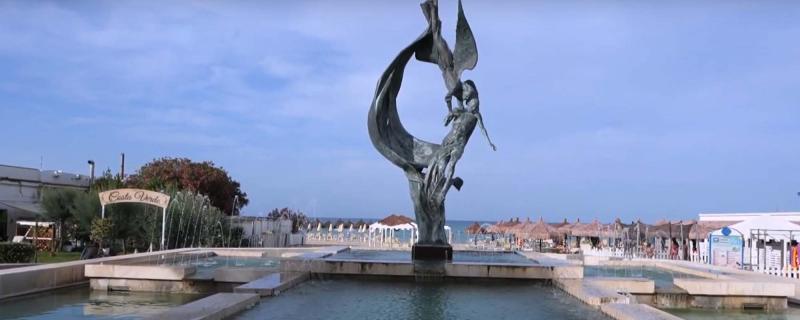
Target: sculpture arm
{"points": [[485, 133]]}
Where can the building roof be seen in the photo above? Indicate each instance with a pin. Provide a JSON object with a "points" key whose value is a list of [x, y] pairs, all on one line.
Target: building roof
{"points": [[46, 177]]}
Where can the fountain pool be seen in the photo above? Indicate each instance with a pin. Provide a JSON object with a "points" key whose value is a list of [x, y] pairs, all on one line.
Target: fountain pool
{"points": [[382, 299], [82, 303], [205, 265], [458, 256], [663, 278]]}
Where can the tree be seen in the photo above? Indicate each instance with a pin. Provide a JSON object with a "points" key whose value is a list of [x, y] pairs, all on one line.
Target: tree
{"points": [[199, 177], [59, 205], [299, 219]]}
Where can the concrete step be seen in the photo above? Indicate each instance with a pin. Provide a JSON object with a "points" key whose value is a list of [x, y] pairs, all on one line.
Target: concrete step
{"points": [[593, 295], [624, 311], [273, 284], [214, 307]]}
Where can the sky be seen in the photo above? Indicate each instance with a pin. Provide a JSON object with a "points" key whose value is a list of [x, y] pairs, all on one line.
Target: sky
{"points": [[599, 110]]}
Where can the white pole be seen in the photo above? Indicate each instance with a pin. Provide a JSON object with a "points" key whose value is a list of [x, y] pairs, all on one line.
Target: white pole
{"points": [[163, 225], [103, 212]]}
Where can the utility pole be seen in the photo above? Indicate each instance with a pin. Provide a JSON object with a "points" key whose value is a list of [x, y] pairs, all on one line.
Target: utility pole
{"points": [[122, 166]]}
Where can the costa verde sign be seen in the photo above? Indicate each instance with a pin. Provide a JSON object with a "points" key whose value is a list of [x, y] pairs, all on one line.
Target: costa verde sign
{"points": [[139, 196], [134, 195]]}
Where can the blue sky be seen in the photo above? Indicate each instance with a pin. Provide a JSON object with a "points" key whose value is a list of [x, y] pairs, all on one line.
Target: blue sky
{"points": [[600, 109]]}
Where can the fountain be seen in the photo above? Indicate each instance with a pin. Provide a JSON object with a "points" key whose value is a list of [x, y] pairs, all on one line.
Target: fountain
{"points": [[429, 167]]}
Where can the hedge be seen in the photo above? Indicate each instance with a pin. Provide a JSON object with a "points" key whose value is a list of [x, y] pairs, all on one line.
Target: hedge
{"points": [[16, 252]]}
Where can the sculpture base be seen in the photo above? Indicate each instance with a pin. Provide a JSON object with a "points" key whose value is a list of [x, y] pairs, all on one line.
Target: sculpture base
{"points": [[432, 252]]}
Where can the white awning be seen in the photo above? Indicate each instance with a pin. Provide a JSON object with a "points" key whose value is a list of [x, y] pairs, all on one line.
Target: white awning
{"points": [[34, 223]]}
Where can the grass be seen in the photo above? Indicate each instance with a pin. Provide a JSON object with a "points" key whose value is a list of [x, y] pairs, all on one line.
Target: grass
{"points": [[45, 257]]}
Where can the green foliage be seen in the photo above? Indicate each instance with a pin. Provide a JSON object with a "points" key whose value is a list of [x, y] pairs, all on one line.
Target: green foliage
{"points": [[16, 252], [59, 205], [298, 218], [58, 257], [101, 229], [86, 208], [198, 177]]}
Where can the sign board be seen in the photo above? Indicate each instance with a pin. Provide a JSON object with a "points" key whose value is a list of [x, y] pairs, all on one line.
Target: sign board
{"points": [[134, 195], [726, 250]]}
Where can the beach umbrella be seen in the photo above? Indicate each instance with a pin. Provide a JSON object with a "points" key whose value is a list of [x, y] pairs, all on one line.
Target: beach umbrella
{"points": [[586, 230], [474, 228], [539, 230], [700, 230]]}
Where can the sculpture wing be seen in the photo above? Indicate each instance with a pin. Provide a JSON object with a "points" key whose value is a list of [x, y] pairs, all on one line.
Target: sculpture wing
{"points": [[385, 129], [465, 55]]}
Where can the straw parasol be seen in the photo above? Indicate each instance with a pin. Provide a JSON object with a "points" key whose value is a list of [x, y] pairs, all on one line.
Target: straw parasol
{"points": [[516, 229], [669, 229], [587, 230], [503, 227], [566, 229], [557, 225], [701, 229], [539, 231], [474, 228]]}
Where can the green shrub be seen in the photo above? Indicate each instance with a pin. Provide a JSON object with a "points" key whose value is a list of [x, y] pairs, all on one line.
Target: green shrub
{"points": [[16, 252]]}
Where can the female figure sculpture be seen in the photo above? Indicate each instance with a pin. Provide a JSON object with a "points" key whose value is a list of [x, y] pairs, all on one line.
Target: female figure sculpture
{"points": [[429, 167]]}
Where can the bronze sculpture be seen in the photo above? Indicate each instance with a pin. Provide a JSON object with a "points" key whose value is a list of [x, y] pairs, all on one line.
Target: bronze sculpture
{"points": [[430, 167]]}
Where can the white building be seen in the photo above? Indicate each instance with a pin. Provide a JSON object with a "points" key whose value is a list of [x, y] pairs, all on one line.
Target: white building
{"points": [[21, 193], [768, 236]]}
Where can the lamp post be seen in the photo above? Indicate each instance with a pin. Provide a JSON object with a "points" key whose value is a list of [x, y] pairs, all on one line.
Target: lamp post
{"points": [[91, 171]]}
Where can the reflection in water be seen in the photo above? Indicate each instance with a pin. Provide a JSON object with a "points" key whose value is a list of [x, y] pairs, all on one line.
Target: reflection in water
{"points": [[430, 301], [83, 303], [450, 299]]}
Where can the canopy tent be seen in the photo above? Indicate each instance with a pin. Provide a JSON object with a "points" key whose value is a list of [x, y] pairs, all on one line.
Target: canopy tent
{"points": [[386, 230]]}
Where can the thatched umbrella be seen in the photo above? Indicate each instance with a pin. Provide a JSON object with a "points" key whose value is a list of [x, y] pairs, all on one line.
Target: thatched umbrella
{"points": [[474, 228], [616, 229], [557, 225], [587, 230], [503, 227], [567, 229], [517, 229], [701, 229], [539, 230]]}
